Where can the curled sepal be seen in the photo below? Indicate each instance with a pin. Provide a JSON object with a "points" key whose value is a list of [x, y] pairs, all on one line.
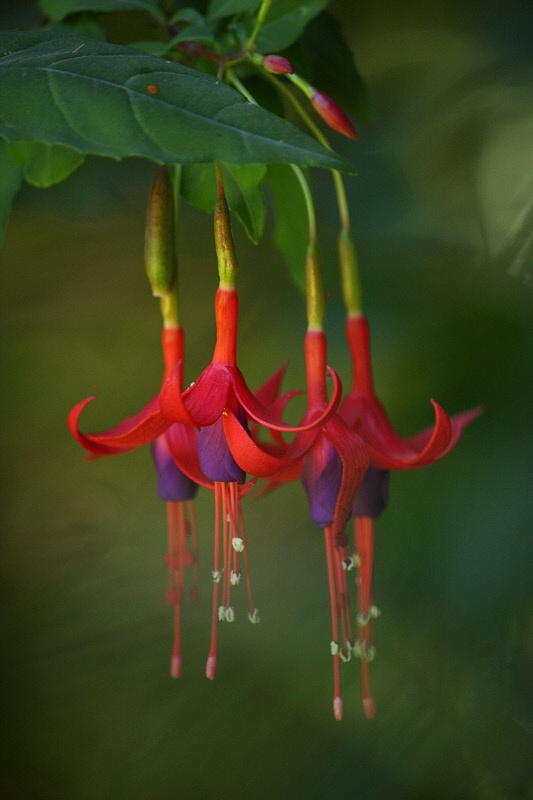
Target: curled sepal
{"points": [[260, 414], [249, 455], [388, 451], [132, 432]]}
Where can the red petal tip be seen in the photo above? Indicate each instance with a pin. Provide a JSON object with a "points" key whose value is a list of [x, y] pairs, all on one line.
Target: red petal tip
{"points": [[175, 666], [210, 667]]}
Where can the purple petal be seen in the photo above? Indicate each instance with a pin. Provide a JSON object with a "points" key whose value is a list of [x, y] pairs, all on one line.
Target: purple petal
{"points": [[216, 460], [372, 498], [322, 484], [172, 483]]}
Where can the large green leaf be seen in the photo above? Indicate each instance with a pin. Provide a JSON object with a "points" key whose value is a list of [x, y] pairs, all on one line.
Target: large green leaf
{"points": [[243, 192], [11, 178], [44, 165], [116, 101], [58, 9], [291, 230], [285, 23]]}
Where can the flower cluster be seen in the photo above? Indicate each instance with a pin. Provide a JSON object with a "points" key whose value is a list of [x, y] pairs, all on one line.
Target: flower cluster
{"points": [[213, 434]]}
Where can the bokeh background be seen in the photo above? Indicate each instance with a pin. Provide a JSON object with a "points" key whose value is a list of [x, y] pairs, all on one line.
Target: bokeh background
{"points": [[442, 218]]}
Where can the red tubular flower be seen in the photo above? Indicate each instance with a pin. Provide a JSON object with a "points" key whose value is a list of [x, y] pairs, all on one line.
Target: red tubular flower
{"points": [[363, 413], [331, 462], [174, 486], [221, 405]]}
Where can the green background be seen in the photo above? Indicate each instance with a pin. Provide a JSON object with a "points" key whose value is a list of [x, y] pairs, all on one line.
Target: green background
{"points": [[441, 220]]}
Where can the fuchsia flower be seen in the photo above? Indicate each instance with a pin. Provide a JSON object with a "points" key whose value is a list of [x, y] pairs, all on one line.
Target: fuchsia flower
{"points": [[173, 485], [331, 462], [220, 405], [363, 413]]}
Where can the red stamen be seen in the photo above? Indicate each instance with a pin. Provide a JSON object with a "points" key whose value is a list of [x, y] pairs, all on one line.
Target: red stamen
{"points": [[212, 657], [364, 543], [330, 556]]}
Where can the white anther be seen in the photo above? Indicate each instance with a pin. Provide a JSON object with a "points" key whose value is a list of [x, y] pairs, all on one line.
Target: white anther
{"points": [[217, 575], [348, 564], [235, 578], [254, 617], [229, 614], [363, 650], [346, 656], [356, 649], [238, 544], [372, 613], [221, 613], [335, 649]]}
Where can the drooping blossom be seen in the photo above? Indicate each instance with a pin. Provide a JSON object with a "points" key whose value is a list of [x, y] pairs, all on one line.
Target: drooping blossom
{"points": [[331, 462], [363, 413], [174, 487]]}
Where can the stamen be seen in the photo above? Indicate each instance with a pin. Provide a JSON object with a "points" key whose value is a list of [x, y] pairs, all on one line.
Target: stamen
{"points": [[229, 614], [254, 617], [217, 575], [238, 544], [235, 578]]}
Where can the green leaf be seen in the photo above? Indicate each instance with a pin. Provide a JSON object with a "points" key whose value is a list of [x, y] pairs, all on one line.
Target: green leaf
{"points": [[243, 192], [285, 23], [291, 230], [334, 67], [58, 9], [9, 185], [44, 165], [226, 8], [94, 97]]}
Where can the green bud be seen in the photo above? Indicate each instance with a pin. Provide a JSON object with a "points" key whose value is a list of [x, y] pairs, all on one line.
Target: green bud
{"points": [[228, 265], [159, 244], [315, 289], [349, 269]]}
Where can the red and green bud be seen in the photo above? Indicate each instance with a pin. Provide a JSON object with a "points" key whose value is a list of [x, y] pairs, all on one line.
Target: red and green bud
{"points": [[277, 65], [332, 114], [159, 244]]}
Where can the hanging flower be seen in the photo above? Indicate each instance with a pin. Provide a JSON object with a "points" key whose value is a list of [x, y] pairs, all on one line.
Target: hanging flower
{"points": [[363, 413], [173, 485]]}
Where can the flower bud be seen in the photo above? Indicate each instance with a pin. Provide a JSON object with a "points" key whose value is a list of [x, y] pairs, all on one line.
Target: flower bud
{"points": [[332, 114], [226, 257], [278, 65], [315, 291], [159, 248], [351, 285]]}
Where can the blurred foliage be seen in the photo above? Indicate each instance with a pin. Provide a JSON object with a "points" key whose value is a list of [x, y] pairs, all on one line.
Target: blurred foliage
{"points": [[441, 220]]}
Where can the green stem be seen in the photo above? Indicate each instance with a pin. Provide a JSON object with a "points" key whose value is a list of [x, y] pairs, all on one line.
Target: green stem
{"points": [[263, 11]]}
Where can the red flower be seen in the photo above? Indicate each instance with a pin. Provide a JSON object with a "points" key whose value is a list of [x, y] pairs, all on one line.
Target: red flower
{"points": [[363, 413], [331, 462], [174, 486]]}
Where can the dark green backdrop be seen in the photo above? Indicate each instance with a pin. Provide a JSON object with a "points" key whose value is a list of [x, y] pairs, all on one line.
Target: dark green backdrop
{"points": [[440, 210]]}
